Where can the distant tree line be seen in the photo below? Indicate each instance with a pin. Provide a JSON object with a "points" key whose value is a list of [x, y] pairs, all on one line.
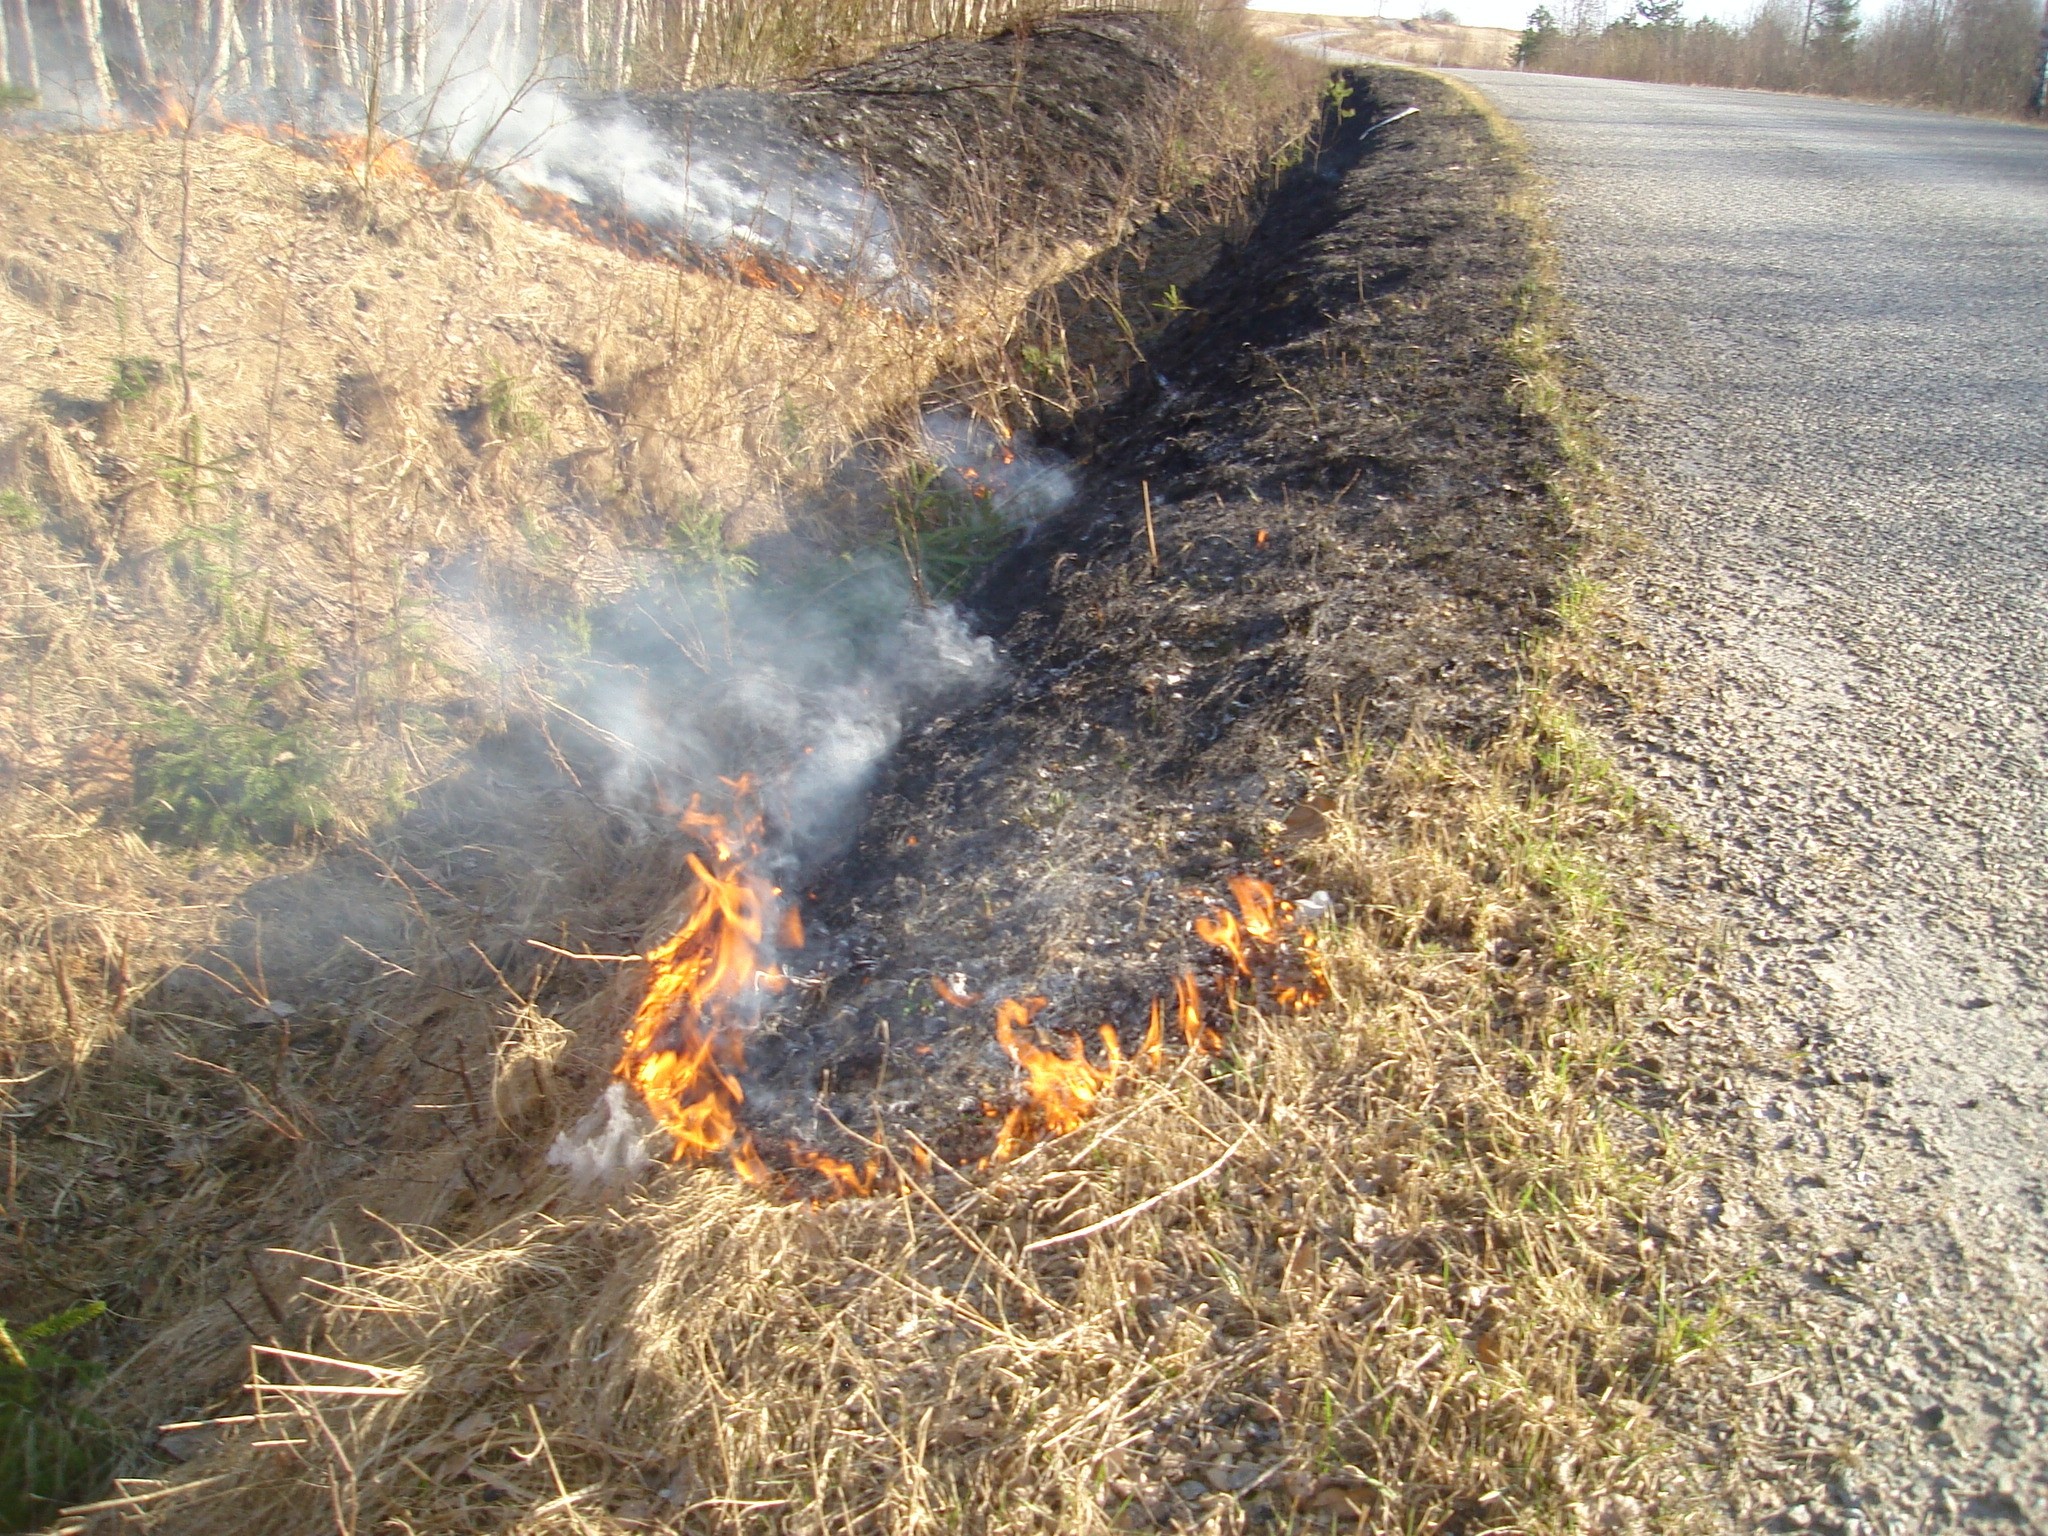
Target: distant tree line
{"points": [[100, 54], [1964, 55]]}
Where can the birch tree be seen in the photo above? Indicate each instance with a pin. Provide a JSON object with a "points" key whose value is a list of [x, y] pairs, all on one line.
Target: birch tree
{"points": [[85, 15]]}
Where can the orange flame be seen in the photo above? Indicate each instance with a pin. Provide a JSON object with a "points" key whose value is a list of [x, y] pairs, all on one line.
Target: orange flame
{"points": [[1200, 1039], [1221, 929], [683, 1049], [845, 1180], [1261, 909], [1061, 1087], [682, 1052], [952, 995], [1264, 938]]}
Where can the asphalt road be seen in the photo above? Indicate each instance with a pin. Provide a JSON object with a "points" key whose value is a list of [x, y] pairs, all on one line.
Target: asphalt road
{"points": [[1824, 329]]}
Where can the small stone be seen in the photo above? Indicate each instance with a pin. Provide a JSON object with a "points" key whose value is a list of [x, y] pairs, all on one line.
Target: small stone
{"points": [[1190, 1490], [1800, 1516]]}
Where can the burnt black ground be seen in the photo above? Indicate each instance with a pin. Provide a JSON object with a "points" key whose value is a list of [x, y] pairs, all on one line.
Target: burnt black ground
{"points": [[985, 153], [1349, 530], [970, 143], [1337, 383]]}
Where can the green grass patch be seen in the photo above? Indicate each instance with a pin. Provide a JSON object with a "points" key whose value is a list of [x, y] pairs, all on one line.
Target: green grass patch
{"points": [[947, 529], [135, 378], [53, 1451], [19, 511], [232, 780]]}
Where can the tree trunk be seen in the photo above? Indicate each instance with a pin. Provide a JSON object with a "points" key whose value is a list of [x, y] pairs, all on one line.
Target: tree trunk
{"points": [[222, 54], [86, 13], [419, 19], [135, 43], [263, 56], [371, 76], [341, 42], [238, 49], [621, 21], [317, 23], [393, 32], [2037, 103], [290, 43], [505, 44], [26, 73]]}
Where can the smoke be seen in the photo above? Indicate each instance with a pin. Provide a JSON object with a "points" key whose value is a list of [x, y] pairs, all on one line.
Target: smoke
{"points": [[714, 169], [803, 689], [720, 169], [1023, 486], [610, 1145], [783, 698]]}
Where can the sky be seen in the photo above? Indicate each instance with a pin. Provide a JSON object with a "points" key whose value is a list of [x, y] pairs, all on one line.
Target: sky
{"points": [[1479, 13]]}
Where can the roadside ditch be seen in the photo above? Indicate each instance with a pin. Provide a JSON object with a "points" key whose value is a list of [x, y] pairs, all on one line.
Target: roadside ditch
{"points": [[1393, 1260]]}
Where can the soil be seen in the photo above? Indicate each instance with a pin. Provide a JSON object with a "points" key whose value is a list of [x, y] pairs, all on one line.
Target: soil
{"points": [[1351, 546]]}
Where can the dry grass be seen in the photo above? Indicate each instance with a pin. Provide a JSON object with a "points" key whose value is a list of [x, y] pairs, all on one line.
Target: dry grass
{"points": [[1408, 1270]]}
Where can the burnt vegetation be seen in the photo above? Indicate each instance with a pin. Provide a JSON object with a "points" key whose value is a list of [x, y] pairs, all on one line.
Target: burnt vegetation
{"points": [[355, 868]]}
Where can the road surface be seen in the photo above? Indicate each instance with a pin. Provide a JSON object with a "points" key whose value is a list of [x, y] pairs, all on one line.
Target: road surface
{"points": [[1824, 328]]}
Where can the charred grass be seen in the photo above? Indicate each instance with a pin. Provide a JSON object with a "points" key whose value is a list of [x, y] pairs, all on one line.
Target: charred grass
{"points": [[293, 768], [1397, 1264]]}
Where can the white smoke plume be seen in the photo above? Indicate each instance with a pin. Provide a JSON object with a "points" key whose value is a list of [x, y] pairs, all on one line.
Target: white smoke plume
{"points": [[802, 689], [610, 1145], [1023, 486], [474, 85], [716, 168]]}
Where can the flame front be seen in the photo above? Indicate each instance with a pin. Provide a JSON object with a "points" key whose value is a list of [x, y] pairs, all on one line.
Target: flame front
{"points": [[683, 1052], [1061, 1087]]}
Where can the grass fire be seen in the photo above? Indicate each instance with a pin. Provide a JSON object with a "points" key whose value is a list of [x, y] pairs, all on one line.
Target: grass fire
{"points": [[822, 782], [685, 1049]]}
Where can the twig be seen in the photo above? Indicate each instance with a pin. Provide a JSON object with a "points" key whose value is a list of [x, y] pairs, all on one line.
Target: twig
{"points": [[1142, 1206], [385, 1371], [263, 1293], [476, 1116], [1151, 539], [584, 955], [63, 981], [130, 1500]]}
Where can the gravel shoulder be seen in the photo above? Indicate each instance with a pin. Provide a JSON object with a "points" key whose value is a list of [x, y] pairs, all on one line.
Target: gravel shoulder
{"points": [[1823, 339]]}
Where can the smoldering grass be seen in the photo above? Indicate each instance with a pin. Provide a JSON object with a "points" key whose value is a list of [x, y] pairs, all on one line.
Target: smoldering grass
{"points": [[678, 386], [1422, 1288]]}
